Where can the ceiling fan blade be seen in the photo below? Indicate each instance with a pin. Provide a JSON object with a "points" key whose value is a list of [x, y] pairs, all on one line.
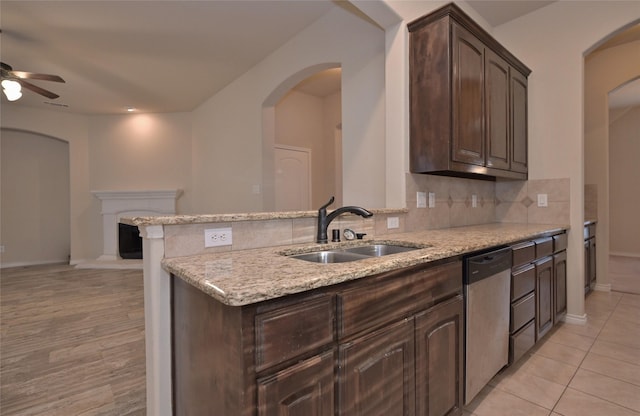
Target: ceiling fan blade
{"points": [[31, 75], [37, 89]]}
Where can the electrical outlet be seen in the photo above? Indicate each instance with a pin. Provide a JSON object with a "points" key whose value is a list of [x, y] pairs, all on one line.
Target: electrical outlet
{"points": [[214, 237], [422, 200], [474, 201], [393, 222], [542, 200], [2, 249], [432, 199]]}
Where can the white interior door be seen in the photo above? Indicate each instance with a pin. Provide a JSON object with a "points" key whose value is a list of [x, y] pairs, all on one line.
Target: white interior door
{"points": [[292, 178]]}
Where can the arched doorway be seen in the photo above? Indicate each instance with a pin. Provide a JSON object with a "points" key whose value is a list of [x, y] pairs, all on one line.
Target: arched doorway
{"points": [[34, 199], [613, 62], [299, 141]]}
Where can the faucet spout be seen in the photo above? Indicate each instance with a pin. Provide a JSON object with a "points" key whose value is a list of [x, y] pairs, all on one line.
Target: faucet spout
{"points": [[324, 220]]}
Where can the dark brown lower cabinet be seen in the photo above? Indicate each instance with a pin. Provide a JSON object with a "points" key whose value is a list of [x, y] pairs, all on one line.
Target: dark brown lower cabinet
{"points": [[544, 296], [560, 285], [377, 376], [439, 352], [303, 389], [384, 345]]}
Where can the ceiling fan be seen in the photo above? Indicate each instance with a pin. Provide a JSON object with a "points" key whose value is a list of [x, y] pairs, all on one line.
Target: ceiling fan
{"points": [[13, 81]]}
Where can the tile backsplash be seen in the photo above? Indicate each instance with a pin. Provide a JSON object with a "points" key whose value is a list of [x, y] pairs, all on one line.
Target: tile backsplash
{"points": [[502, 201]]}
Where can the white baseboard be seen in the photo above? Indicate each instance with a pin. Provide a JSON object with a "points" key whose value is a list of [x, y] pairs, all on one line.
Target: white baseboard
{"points": [[115, 264], [575, 319], [602, 287], [30, 263], [623, 254]]}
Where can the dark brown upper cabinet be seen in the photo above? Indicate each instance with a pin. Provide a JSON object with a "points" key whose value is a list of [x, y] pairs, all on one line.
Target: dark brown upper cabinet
{"points": [[468, 105]]}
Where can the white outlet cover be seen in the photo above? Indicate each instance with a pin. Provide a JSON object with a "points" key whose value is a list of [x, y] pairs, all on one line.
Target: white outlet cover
{"points": [[474, 201], [422, 199], [393, 222], [215, 237]]}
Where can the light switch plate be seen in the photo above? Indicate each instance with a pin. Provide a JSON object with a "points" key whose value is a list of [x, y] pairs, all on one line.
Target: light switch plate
{"points": [[474, 201], [422, 199], [393, 222], [542, 200], [432, 199]]}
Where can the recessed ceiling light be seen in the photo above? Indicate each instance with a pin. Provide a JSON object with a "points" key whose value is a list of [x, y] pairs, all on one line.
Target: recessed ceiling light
{"points": [[131, 109]]}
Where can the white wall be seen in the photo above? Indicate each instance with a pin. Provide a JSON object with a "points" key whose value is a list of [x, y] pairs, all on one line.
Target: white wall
{"points": [[34, 199], [142, 152], [227, 134], [624, 145]]}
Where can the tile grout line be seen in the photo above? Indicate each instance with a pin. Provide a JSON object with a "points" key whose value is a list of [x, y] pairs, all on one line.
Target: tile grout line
{"points": [[553, 410]]}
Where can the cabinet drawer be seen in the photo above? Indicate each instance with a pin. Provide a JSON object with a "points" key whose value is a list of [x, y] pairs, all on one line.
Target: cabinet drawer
{"points": [[544, 247], [559, 242], [523, 253], [394, 295], [523, 281], [294, 330], [522, 312], [522, 341]]}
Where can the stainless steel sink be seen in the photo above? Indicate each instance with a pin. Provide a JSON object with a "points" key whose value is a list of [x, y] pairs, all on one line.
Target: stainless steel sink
{"points": [[330, 256], [353, 253], [377, 250]]}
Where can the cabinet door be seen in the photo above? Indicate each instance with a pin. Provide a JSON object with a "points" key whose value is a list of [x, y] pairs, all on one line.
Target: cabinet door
{"points": [[560, 284], [468, 98], [304, 389], [587, 264], [376, 373], [592, 261], [544, 296], [519, 141], [439, 352], [497, 111]]}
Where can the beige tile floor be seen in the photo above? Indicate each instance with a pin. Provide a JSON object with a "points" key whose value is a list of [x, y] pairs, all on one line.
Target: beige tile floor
{"points": [[590, 370]]}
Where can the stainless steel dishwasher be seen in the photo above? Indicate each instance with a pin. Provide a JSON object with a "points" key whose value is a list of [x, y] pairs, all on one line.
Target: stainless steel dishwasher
{"points": [[487, 282]]}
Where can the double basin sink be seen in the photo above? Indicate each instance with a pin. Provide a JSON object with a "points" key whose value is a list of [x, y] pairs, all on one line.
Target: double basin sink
{"points": [[353, 253]]}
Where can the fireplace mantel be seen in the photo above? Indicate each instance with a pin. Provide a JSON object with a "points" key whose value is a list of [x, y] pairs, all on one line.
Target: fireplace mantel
{"points": [[118, 204]]}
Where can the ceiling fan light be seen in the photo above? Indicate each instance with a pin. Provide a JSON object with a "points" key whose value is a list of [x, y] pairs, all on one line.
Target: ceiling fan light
{"points": [[11, 85], [12, 95]]}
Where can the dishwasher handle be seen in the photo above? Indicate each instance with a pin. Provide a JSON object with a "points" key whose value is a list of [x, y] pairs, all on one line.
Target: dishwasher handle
{"points": [[487, 264]]}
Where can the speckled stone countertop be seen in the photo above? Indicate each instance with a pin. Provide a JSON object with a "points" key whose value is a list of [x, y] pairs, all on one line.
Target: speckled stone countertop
{"points": [[249, 276], [249, 216]]}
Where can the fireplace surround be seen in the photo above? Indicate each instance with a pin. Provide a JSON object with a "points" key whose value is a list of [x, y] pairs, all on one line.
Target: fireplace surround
{"points": [[119, 204]]}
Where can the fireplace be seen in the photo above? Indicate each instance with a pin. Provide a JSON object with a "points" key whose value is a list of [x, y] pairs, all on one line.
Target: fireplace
{"points": [[119, 204], [129, 242]]}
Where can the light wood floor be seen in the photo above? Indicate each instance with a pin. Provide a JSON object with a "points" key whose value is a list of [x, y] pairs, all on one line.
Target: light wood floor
{"points": [[72, 342]]}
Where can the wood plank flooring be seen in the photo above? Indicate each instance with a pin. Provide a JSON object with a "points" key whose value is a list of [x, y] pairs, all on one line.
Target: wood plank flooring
{"points": [[72, 342]]}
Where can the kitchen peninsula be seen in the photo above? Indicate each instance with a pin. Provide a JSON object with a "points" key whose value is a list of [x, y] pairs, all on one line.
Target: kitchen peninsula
{"points": [[248, 287]]}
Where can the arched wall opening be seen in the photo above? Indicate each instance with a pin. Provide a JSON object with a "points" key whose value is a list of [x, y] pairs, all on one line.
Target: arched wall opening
{"points": [[297, 122], [612, 61], [34, 199]]}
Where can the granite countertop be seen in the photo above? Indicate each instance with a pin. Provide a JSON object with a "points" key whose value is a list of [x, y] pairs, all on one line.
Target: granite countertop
{"points": [[248, 216], [244, 277]]}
